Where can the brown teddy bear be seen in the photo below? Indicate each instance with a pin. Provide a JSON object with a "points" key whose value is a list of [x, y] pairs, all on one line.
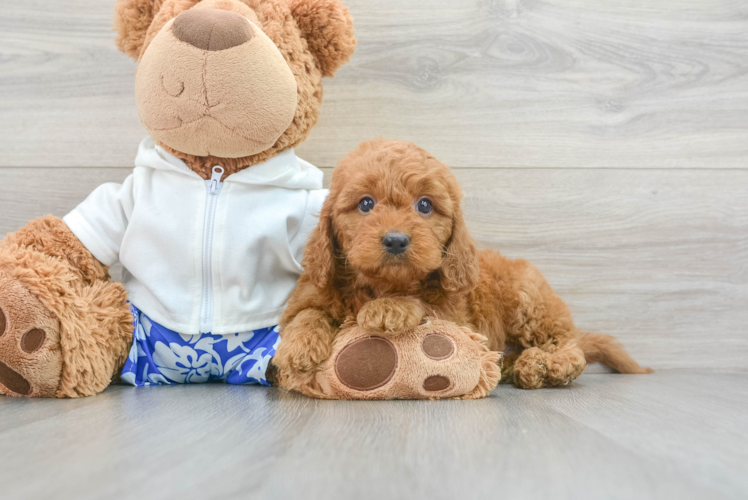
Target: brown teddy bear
{"points": [[208, 244], [210, 226]]}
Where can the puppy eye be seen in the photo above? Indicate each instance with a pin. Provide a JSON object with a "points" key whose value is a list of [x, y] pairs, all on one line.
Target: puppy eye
{"points": [[366, 204], [424, 206]]}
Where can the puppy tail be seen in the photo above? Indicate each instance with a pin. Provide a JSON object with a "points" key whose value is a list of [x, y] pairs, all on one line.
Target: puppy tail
{"points": [[608, 351]]}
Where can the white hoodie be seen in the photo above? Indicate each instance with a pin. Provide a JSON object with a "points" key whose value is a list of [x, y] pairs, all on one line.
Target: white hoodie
{"points": [[204, 256]]}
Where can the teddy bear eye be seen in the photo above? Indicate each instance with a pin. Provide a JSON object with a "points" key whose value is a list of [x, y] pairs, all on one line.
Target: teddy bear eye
{"points": [[366, 204], [424, 206]]}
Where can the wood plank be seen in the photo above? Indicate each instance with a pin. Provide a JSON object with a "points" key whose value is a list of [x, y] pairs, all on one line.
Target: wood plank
{"points": [[29, 193], [685, 400], [657, 258], [228, 441], [613, 83], [506, 83], [68, 94]]}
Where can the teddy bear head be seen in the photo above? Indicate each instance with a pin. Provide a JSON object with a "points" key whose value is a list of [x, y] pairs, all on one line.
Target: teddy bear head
{"points": [[232, 82]]}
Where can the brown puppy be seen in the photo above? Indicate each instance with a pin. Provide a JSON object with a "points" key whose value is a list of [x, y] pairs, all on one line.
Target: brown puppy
{"points": [[392, 247]]}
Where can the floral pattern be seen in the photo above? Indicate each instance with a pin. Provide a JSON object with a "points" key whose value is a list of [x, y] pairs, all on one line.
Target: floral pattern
{"points": [[161, 356]]}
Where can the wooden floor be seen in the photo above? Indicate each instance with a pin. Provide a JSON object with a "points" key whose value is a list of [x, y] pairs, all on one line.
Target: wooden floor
{"points": [[673, 434]]}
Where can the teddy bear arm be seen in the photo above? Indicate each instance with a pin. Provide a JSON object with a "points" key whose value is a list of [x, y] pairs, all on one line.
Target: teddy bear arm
{"points": [[51, 236], [65, 329]]}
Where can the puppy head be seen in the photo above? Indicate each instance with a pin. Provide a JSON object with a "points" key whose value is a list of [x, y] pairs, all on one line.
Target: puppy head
{"points": [[394, 215]]}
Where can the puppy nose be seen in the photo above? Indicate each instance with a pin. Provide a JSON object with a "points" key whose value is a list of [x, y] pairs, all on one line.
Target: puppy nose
{"points": [[212, 29], [395, 243]]}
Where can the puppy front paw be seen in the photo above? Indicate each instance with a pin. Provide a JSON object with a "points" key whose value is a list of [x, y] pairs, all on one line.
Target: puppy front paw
{"points": [[391, 315], [303, 352]]}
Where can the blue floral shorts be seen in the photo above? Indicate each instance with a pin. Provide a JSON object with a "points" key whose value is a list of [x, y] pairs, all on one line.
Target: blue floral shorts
{"points": [[161, 356]]}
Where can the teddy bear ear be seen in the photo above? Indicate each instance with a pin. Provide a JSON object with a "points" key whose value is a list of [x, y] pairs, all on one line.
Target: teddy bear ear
{"points": [[132, 18], [327, 26]]}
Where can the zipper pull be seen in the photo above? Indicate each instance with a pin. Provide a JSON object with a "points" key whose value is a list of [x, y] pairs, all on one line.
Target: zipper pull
{"points": [[215, 179]]}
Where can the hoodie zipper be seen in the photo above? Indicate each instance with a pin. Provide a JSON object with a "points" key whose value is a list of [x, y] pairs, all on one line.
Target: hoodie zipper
{"points": [[213, 187]]}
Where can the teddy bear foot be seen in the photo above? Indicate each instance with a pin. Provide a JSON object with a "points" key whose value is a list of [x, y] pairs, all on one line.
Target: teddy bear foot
{"points": [[30, 354], [435, 360]]}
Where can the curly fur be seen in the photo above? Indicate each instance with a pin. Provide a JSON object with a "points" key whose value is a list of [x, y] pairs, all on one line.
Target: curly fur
{"points": [[347, 272]]}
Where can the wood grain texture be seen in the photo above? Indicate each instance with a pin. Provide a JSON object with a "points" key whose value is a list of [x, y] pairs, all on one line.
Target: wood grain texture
{"points": [[67, 93], [657, 258], [479, 83], [555, 83], [618, 437]]}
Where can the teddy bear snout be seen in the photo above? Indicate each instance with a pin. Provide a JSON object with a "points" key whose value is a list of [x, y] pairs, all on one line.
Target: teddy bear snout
{"points": [[212, 29]]}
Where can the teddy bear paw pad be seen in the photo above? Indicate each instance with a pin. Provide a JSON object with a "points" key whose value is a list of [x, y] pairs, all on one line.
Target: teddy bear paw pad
{"points": [[437, 346], [366, 364], [30, 356], [30, 341], [437, 359], [435, 383]]}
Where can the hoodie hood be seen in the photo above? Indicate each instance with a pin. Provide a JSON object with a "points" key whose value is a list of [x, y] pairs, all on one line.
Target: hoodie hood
{"points": [[285, 170]]}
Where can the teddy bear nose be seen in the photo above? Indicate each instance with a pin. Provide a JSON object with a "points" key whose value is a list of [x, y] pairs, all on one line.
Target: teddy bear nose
{"points": [[212, 29]]}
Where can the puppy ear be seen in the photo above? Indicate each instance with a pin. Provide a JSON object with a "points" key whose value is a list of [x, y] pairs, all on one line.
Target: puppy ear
{"points": [[327, 26], [460, 269], [319, 253], [132, 18]]}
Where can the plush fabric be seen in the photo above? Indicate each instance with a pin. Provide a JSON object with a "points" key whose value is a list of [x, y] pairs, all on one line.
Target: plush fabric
{"points": [[470, 370], [132, 18], [238, 85], [50, 235], [212, 29], [296, 29], [230, 103], [21, 374], [327, 28], [87, 325]]}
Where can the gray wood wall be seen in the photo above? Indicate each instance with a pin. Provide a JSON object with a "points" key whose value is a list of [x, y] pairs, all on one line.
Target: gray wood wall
{"points": [[606, 141]]}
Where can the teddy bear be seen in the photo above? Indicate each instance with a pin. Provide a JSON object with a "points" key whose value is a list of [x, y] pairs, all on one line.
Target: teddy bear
{"points": [[210, 226]]}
